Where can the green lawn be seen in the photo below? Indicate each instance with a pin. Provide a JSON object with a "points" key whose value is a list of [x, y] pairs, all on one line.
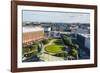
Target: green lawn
{"points": [[55, 47]]}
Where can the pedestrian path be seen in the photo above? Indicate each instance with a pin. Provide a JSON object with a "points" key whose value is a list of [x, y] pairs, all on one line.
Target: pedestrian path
{"points": [[47, 57], [43, 49]]}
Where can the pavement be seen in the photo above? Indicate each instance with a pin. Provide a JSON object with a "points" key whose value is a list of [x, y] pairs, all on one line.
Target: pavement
{"points": [[47, 57]]}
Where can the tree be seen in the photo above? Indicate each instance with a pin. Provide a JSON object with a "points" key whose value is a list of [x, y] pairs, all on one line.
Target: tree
{"points": [[74, 52], [39, 47], [67, 40], [76, 46], [62, 54], [65, 54], [45, 41]]}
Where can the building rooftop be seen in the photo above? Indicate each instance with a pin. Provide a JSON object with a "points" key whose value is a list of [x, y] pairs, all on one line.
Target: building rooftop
{"points": [[32, 29], [85, 35]]}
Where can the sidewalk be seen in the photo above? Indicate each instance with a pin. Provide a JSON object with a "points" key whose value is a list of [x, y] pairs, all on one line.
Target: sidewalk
{"points": [[47, 57]]}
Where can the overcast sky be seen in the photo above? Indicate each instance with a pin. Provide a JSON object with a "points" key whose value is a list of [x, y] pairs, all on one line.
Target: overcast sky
{"points": [[59, 17]]}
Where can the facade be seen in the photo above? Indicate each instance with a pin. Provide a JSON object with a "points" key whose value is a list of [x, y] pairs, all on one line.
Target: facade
{"points": [[47, 31], [84, 40], [31, 34]]}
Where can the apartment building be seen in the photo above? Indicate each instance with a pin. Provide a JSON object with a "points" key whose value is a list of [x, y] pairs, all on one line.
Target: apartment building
{"points": [[32, 33], [84, 40]]}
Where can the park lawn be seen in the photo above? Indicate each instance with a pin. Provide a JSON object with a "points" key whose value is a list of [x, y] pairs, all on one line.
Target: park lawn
{"points": [[54, 47]]}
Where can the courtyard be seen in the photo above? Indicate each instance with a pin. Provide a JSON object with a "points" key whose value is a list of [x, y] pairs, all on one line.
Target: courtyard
{"points": [[51, 49]]}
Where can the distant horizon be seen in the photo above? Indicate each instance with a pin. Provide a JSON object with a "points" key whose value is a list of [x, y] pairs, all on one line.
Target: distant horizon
{"points": [[55, 17], [54, 22]]}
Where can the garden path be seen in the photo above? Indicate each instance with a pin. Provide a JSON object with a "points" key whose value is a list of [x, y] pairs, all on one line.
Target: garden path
{"points": [[47, 57], [43, 50]]}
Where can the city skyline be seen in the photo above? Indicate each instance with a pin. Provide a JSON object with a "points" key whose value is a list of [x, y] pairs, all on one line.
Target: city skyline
{"points": [[57, 17]]}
